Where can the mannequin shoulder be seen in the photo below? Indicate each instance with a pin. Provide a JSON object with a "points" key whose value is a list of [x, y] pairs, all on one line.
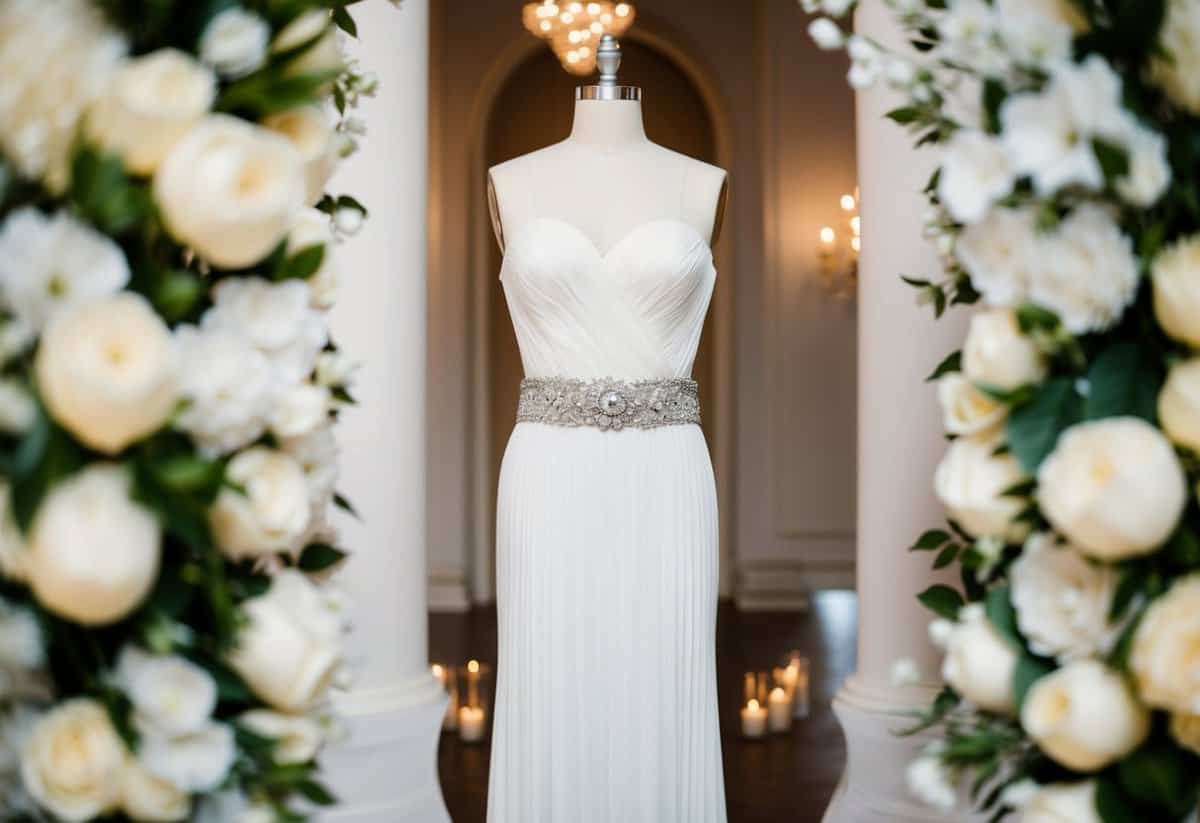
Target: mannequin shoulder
{"points": [[520, 169], [705, 189]]}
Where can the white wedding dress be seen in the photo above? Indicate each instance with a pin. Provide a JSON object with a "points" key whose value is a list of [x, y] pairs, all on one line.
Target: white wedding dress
{"points": [[606, 706]]}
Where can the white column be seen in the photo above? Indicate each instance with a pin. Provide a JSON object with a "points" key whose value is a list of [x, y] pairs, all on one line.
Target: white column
{"points": [[900, 442], [387, 771]]}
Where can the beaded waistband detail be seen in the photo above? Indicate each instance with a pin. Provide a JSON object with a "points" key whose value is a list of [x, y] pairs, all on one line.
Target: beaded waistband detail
{"points": [[609, 404]]}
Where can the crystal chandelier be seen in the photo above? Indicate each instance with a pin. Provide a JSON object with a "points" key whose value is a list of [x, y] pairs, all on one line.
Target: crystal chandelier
{"points": [[573, 29]]}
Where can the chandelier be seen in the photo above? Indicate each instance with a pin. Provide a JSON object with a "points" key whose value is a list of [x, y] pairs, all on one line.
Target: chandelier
{"points": [[574, 29]]}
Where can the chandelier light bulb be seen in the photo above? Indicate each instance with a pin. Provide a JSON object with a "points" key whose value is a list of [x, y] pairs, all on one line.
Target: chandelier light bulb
{"points": [[593, 9], [546, 25], [622, 9], [848, 202], [828, 236], [566, 26], [576, 8]]}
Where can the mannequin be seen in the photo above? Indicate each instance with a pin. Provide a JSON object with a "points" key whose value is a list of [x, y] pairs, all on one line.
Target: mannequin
{"points": [[607, 178]]}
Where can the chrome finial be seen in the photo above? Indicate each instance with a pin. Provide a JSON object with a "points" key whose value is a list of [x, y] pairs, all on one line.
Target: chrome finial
{"points": [[608, 61]]}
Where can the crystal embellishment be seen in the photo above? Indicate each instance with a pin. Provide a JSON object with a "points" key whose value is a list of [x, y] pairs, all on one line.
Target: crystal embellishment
{"points": [[609, 404]]}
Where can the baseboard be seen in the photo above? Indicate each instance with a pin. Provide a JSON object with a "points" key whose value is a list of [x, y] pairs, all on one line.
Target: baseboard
{"points": [[448, 591], [786, 584]]}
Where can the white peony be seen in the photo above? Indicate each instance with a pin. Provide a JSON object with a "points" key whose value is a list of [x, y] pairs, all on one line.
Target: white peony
{"points": [[106, 371], [980, 663], [310, 132], [74, 760], [971, 481], [999, 253], [1084, 716], [1179, 404], [324, 51], [17, 407], [1062, 600], [277, 318], [975, 174], [151, 102], [932, 782], [1063, 803], [173, 694], [1113, 487], [1177, 69], [291, 651], [312, 228], [297, 738], [965, 409], [228, 385], [1149, 170], [93, 552], [51, 263], [997, 355], [269, 512], [235, 42], [195, 762], [22, 645], [229, 189], [1163, 660], [56, 56], [1175, 275], [147, 797], [300, 411]]}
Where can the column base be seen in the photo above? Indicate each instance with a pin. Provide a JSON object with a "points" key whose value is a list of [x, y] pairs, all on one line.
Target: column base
{"points": [[387, 771], [872, 789]]}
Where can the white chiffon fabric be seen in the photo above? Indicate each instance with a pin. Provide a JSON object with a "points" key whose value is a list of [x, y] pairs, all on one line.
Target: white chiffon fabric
{"points": [[606, 705]]}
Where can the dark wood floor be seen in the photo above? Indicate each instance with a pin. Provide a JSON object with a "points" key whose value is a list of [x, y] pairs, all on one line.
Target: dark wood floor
{"points": [[784, 778]]}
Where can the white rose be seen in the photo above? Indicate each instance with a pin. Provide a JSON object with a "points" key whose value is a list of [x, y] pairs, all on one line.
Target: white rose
{"points": [[1149, 170], [312, 229], [1176, 66], [325, 52], [975, 174], [300, 411], [1163, 659], [980, 663], [1176, 279], [290, 652], [106, 371], [74, 761], [309, 130], [273, 513], [51, 263], [932, 782], [1063, 803], [1179, 404], [235, 42], [22, 645], [999, 253], [317, 455], [228, 385], [229, 190], [1185, 730], [971, 481], [335, 369], [172, 693], [965, 409], [997, 356], [1113, 487], [151, 103], [277, 318], [1084, 716], [1063, 600], [147, 797], [198, 761], [17, 409], [826, 34], [93, 552], [297, 738]]}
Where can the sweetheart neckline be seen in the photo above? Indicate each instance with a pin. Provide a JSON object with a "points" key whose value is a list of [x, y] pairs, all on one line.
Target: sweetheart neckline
{"points": [[603, 255]]}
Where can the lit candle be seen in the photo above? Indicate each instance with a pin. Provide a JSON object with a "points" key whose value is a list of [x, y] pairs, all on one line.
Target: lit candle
{"points": [[473, 683], [751, 681], [471, 725], [451, 721], [754, 720], [779, 710]]}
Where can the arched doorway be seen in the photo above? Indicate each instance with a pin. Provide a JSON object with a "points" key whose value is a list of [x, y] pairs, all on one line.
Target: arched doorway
{"points": [[532, 109]]}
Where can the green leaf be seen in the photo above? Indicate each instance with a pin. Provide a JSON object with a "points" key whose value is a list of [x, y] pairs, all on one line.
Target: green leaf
{"points": [[1161, 775], [343, 503], [952, 363], [189, 473], [905, 115], [942, 600], [1183, 549], [1113, 159], [176, 293], [104, 194], [319, 557], [1133, 580], [315, 793], [1029, 671], [930, 540], [303, 264], [994, 95], [946, 556], [1113, 805], [1033, 429], [59, 457], [1033, 318], [1124, 381], [344, 21], [1003, 616]]}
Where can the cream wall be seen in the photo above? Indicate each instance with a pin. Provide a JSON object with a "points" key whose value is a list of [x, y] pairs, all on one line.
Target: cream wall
{"points": [[785, 350]]}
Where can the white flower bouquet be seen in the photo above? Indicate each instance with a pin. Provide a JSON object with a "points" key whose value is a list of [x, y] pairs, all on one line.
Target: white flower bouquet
{"points": [[169, 637], [1067, 211]]}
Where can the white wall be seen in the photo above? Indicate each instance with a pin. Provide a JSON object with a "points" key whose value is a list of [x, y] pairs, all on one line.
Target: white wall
{"points": [[786, 468]]}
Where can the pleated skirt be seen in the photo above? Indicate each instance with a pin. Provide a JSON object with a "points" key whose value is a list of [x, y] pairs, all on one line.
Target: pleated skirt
{"points": [[606, 694]]}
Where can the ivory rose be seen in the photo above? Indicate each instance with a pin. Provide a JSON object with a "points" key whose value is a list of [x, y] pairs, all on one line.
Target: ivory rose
{"points": [[270, 511], [1179, 404], [971, 481], [1163, 659], [996, 354], [74, 761], [980, 662], [965, 409]]}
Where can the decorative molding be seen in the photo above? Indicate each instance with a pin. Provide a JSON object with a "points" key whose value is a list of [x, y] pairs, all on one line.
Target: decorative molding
{"points": [[785, 581], [448, 590]]}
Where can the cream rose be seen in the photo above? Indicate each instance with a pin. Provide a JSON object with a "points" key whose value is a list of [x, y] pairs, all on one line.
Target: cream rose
{"points": [[151, 103], [1113, 487], [106, 371], [1063, 600], [1175, 276], [1179, 404], [1185, 729], [74, 761], [970, 482], [297, 738], [273, 512], [965, 409], [229, 189], [1163, 660], [291, 651], [996, 354], [1176, 66], [980, 662], [93, 552], [1063, 803], [147, 797], [309, 131], [1084, 716], [315, 27]]}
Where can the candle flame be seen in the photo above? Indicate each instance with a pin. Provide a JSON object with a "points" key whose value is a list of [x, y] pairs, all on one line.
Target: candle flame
{"points": [[473, 667], [752, 705]]}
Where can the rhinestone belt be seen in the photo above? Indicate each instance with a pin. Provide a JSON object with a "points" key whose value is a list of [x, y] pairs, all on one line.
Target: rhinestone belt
{"points": [[609, 404]]}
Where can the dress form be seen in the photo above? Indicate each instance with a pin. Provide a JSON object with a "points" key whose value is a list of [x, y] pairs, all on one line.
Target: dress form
{"points": [[607, 178]]}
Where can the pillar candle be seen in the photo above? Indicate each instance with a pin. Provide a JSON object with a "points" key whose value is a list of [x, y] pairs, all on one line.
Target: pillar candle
{"points": [[779, 710], [471, 725], [754, 720]]}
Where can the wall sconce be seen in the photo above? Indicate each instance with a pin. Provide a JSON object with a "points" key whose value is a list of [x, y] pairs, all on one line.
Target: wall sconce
{"points": [[837, 251]]}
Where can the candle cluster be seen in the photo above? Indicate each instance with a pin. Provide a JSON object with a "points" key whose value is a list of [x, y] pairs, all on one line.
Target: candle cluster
{"points": [[466, 712], [774, 700]]}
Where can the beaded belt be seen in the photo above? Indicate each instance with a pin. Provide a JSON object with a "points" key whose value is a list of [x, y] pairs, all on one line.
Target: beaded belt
{"points": [[609, 404]]}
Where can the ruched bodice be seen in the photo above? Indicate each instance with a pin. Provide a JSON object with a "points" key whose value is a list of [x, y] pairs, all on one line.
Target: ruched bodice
{"points": [[632, 312]]}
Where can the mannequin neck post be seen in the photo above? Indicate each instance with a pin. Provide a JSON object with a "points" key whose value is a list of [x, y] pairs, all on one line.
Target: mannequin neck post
{"points": [[608, 123]]}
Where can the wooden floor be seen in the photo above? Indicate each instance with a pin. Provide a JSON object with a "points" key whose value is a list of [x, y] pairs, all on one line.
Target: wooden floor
{"points": [[785, 778]]}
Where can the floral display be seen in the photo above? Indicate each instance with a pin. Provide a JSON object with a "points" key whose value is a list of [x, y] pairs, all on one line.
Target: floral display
{"points": [[170, 637], [1066, 211]]}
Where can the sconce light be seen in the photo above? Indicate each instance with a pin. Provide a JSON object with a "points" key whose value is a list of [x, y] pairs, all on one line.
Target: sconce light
{"points": [[837, 251]]}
